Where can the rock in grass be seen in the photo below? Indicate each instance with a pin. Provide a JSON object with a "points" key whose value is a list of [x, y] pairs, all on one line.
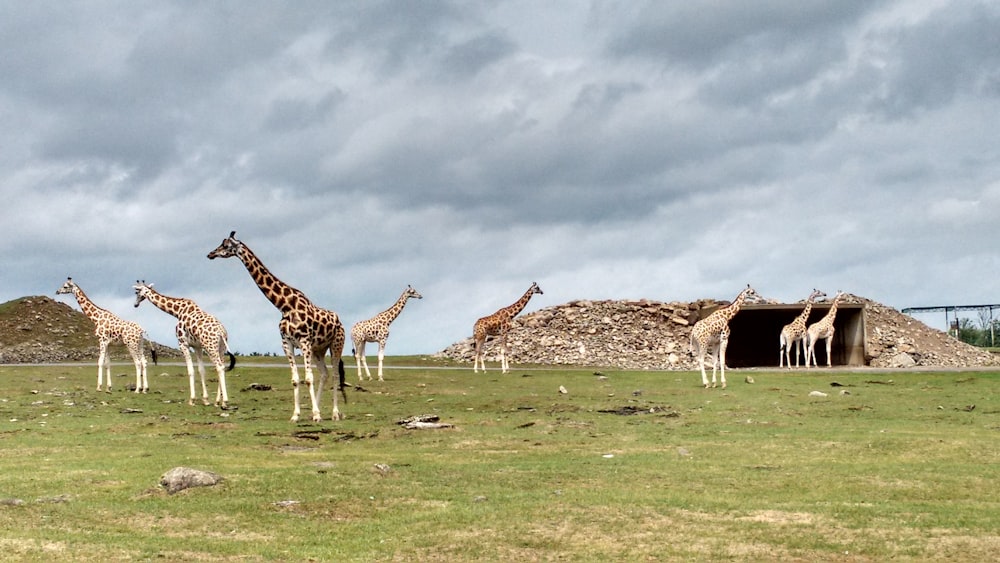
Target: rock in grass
{"points": [[817, 394], [180, 478]]}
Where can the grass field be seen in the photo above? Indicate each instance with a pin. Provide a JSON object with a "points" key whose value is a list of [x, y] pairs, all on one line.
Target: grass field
{"points": [[905, 466]]}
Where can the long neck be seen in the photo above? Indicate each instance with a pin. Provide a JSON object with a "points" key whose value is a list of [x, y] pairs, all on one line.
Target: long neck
{"points": [[277, 292], [391, 313], [167, 304], [833, 309], [86, 305], [520, 304], [734, 307], [805, 311]]}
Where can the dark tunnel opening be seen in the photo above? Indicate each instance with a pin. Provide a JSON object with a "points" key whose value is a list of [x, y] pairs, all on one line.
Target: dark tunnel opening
{"points": [[755, 330]]}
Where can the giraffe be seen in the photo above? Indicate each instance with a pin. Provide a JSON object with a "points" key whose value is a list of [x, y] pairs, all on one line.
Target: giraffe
{"points": [[711, 336], [198, 330], [376, 329], [794, 333], [108, 328], [822, 329], [498, 324], [305, 326]]}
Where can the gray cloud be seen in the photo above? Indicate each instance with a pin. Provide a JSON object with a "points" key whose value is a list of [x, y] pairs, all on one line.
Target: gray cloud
{"points": [[610, 150]]}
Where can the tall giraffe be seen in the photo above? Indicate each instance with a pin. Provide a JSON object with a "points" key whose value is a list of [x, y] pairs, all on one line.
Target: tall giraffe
{"points": [[822, 329], [198, 330], [711, 336], [498, 324], [305, 326], [108, 328], [376, 329], [795, 333]]}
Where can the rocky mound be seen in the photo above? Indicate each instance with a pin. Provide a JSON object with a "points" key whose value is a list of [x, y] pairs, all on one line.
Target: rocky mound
{"points": [[40, 329], [644, 334]]}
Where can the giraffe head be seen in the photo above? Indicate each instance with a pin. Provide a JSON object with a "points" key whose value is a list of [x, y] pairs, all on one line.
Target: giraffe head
{"points": [[410, 292], [142, 291], [816, 294], [230, 247], [534, 289], [68, 287]]}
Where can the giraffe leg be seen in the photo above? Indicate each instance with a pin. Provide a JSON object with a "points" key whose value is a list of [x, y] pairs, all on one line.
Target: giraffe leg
{"points": [[782, 347], [101, 360], [381, 356], [722, 362], [359, 354], [201, 372], [138, 360], [715, 365], [364, 362], [289, 350], [324, 375], [699, 350], [504, 366], [182, 343], [829, 345], [145, 373], [307, 362], [478, 357], [221, 396]]}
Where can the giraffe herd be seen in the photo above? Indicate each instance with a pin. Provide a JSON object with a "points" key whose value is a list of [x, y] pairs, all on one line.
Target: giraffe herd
{"points": [[315, 331]]}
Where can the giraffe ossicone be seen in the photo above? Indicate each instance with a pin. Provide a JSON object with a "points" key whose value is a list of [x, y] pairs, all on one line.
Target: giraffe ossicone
{"points": [[109, 328], [376, 329], [311, 329], [195, 330], [498, 324]]}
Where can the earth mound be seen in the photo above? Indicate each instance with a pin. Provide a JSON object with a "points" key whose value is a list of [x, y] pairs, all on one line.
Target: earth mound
{"points": [[645, 334], [39, 329]]}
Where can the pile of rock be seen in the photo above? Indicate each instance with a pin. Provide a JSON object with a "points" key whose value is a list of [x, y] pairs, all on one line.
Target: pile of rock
{"points": [[630, 334], [645, 334], [897, 340]]}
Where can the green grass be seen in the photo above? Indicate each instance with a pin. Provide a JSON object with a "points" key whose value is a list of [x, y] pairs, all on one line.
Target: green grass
{"points": [[900, 468]]}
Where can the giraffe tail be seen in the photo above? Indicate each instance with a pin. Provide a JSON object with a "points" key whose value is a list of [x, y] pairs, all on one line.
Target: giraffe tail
{"points": [[341, 373], [152, 348], [232, 361]]}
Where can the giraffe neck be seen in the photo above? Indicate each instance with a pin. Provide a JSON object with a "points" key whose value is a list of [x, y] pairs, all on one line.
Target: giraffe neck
{"points": [[801, 319], [391, 313], [277, 292], [170, 305], [734, 307], [519, 305], [86, 305], [833, 311]]}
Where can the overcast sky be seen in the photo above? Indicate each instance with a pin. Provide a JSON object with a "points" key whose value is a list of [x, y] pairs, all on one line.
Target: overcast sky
{"points": [[605, 149]]}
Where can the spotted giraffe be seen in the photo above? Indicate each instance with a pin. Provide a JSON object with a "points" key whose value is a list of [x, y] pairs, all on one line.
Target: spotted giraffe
{"points": [[822, 329], [498, 324], [376, 329], [196, 330], [795, 333], [711, 336], [305, 326], [109, 328]]}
